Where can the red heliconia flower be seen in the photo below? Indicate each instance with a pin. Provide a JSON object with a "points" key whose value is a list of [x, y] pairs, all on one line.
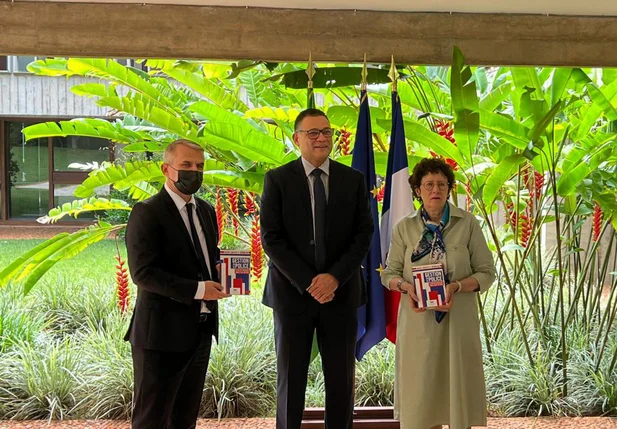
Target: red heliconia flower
{"points": [[256, 250], [232, 199], [344, 142], [249, 203], [122, 285], [220, 215], [445, 129], [539, 179], [597, 222]]}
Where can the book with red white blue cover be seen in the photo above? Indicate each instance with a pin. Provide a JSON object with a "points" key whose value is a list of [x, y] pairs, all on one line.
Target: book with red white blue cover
{"points": [[430, 285], [236, 272]]}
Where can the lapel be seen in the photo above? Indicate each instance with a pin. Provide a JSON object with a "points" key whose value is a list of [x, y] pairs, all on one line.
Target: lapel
{"points": [[174, 213], [335, 188], [207, 225], [300, 188]]}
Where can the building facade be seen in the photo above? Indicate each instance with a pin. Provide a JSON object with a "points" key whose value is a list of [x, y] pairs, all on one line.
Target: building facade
{"points": [[40, 174]]}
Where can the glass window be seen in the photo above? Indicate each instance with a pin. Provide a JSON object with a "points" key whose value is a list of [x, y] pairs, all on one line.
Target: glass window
{"points": [[21, 63], [74, 153], [28, 164], [4, 63]]}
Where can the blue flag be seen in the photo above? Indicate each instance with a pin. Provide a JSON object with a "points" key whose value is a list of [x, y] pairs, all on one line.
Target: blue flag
{"points": [[397, 203], [371, 316]]}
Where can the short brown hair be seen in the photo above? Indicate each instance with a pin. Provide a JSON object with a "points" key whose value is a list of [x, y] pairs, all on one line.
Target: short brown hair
{"points": [[430, 166], [168, 155]]}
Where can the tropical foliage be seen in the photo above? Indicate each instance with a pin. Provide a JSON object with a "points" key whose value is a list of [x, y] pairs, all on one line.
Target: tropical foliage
{"points": [[533, 148]]}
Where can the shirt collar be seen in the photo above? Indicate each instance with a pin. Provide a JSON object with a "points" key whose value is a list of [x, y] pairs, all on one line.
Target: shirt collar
{"points": [[308, 167], [177, 199]]}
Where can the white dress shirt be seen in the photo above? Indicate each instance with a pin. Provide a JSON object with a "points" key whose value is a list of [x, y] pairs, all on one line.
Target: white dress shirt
{"points": [[325, 178], [181, 205]]}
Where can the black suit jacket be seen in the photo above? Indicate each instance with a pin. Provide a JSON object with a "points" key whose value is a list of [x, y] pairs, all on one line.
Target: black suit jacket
{"points": [[164, 266], [287, 236]]}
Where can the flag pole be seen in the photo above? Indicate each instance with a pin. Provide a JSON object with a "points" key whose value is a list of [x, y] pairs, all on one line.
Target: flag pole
{"points": [[393, 75], [310, 72]]}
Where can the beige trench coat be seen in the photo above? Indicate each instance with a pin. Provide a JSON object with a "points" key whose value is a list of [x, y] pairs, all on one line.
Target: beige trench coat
{"points": [[439, 371]]}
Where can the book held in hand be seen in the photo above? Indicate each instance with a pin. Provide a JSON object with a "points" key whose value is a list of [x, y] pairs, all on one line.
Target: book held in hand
{"points": [[430, 285], [236, 272]]}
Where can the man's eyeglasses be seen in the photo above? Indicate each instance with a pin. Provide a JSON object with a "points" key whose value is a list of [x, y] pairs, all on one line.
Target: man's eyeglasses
{"points": [[429, 186], [314, 133]]}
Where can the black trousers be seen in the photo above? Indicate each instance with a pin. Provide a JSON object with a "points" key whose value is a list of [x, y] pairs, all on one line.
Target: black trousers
{"points": [[336, 337], [169, 385]]}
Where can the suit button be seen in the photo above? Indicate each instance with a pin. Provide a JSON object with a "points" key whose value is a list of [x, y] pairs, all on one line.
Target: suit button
{"points": [[312, 241]]}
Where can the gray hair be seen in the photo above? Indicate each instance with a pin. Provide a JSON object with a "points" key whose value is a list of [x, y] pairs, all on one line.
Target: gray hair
{"points": [[168, 155]]}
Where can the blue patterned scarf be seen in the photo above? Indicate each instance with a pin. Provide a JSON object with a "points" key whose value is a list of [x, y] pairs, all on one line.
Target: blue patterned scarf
{"points": [[431, 243]]}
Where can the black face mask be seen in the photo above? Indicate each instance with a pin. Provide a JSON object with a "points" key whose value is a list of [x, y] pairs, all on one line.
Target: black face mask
{"points": [[189, 181]]}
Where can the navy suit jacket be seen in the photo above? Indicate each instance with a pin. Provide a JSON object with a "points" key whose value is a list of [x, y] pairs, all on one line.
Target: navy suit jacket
{"points": [[287, 236]]}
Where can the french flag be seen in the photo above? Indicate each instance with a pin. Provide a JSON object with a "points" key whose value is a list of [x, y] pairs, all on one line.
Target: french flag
{"points": [[397, 203]]}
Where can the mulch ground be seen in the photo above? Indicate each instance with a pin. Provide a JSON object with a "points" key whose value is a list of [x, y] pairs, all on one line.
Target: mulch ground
{"points": [[10, 232], [493, 423]]}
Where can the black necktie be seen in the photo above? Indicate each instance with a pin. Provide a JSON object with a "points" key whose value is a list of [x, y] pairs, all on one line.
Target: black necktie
{"points": [[205, 273], [319, 193]]}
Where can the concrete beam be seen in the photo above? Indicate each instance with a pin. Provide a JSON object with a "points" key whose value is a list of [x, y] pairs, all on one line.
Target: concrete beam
{"points": [[172, 31]]}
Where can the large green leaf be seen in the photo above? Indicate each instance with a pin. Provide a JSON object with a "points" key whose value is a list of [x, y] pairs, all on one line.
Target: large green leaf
{"points": [[333, 77], [116, 72], [50, 67], [137, 107], [87, 127], [247, 141], [505, 127], [94, 90], [527, 78], [381, 162], [213, 113], [599, 98], [465, 106], [15, 267], [280, 115], [77, 207], [544, 123], [218, 174], [594, 111], [559, 82], [255, 88], [500, 174], [30, 267], [570, 179], [462, 86], [433, 141], [343, 117], [142, 190], [209, 88], [116, 175], [494, 98]]}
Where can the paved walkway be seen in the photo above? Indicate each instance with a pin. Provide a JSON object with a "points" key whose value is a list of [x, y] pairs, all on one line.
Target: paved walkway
{"points": [[494, 423]]}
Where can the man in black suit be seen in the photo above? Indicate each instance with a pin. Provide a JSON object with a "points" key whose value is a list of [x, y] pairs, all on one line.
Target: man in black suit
{"points": [[172, 249], [316, 228]]}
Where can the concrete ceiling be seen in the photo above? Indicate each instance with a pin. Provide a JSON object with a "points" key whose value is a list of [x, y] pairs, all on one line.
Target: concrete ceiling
{"points": [[552, 7]]}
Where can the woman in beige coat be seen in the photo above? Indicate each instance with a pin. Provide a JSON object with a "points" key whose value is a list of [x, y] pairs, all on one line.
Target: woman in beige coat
{"points": [[439, 371]]}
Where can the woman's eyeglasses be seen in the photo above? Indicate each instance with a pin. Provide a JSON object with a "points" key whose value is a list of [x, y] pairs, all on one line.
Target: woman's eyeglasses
{"points": [[429, 186]]}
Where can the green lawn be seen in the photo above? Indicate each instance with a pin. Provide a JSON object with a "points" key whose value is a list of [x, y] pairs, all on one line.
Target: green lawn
{"points": [[95, 264]]}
